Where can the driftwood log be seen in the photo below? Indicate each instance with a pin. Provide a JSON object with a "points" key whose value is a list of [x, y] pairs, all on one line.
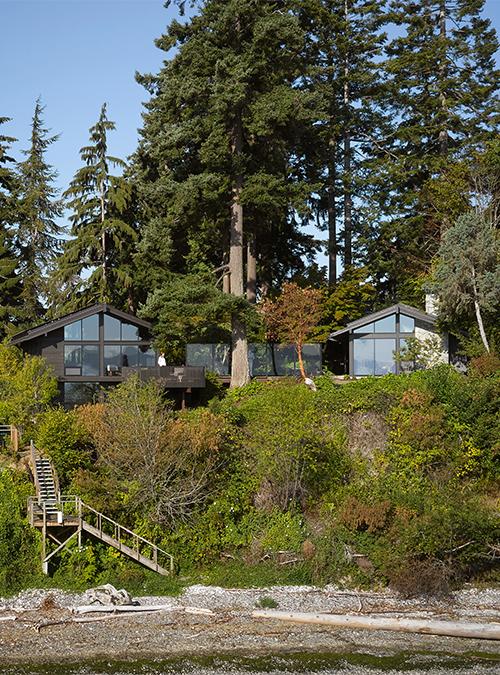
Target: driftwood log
{"points": [[121, 609], [143, 609], [482, 631]]}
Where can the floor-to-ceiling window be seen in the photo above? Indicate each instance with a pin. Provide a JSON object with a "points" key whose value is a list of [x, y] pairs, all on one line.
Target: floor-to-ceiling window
{"points": [[102, 345], [123, 346], [81, 347], [375, 345]]}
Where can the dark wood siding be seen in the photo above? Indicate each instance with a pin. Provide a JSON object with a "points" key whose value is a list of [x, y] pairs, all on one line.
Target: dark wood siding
{"points": [[51, 347]]}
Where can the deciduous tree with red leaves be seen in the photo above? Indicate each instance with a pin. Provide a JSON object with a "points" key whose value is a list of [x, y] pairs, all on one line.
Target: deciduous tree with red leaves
{"points": [[292, 317]]}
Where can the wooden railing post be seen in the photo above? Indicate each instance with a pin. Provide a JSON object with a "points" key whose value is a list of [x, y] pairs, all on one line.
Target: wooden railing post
{"points": [[44, 540], [78, 504]]}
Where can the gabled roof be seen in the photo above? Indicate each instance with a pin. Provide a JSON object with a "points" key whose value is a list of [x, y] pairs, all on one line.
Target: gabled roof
{"points": [[49, 326], [399, 307]]}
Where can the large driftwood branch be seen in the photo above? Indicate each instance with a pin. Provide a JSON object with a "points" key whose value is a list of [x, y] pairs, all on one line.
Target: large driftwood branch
{"points": [[143, 609], [483, 631]]}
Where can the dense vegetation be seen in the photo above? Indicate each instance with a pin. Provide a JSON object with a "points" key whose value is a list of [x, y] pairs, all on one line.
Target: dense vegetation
{"points": [[383, 480]]}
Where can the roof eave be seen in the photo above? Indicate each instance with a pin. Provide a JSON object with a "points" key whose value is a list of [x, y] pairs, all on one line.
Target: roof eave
{"points": [[398, 307], [48, 327]]}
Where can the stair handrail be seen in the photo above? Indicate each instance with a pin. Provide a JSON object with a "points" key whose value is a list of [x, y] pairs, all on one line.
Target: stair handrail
{"points": [[81, 506], [33, 467], [121, 528]]}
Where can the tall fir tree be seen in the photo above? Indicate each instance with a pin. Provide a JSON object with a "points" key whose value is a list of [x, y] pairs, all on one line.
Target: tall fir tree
{"points": [[95, 264], [442, 80], [344, 47], [38, 233], [214, 169], [10, 286]]}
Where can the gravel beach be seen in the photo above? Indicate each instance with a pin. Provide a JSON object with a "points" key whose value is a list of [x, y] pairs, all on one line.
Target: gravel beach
{"points": [[38, 627]]}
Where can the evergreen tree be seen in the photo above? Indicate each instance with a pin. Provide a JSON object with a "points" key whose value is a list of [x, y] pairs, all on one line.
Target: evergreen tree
{"points": [[442, 93], [10, 287], [467, 273], [95, 264], [344, 46], [214, 169], [38, 234]]}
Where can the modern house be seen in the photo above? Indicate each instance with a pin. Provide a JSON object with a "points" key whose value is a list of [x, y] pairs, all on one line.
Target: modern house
{"points": [[371, 345], [98, 347]]}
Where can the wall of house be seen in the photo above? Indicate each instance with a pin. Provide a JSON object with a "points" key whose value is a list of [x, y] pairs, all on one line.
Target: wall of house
{"points": [[49, 346], [427, 332]]}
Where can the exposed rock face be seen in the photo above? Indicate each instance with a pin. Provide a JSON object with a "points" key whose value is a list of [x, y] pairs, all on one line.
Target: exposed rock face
{"points": [[367, 432]]}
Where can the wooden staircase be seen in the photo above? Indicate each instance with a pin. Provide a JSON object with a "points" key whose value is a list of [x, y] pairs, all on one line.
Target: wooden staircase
{"points": [[62, 518]]}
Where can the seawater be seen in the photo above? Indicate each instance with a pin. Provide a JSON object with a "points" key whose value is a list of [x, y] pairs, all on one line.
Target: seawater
{"points": [[292, 664]]}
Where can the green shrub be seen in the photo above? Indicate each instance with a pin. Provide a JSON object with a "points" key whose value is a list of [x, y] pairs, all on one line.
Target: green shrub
{"points": [[265, 602], [293, 448], [19, 545], [397, 520], [27, 386], [283, 532]]}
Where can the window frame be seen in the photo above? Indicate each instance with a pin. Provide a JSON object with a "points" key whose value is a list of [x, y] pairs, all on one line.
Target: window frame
{"points": [[100, 343], [397, 336]]}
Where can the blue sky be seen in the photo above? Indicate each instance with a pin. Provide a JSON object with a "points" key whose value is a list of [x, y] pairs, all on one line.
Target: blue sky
{"points": [[77, 54]]}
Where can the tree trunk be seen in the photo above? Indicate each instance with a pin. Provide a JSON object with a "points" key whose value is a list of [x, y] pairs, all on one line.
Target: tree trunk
{"points": [[104, 295], [298, 347], [443, 133], [486, 631], [347, 158], [239, 346], [251, 270], [332, 218], [477, 309]]}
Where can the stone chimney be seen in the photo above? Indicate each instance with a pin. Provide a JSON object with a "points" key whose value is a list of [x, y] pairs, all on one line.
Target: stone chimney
{"points": [[431, 303]]}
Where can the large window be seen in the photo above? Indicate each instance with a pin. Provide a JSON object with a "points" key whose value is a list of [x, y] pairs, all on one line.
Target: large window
{"points": [[263, 359], [375, 344], [103, 338], [116, 330], [117, 357], [78, 393], [385, 325], [81, 359], [406, 324], [84, 329]]}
